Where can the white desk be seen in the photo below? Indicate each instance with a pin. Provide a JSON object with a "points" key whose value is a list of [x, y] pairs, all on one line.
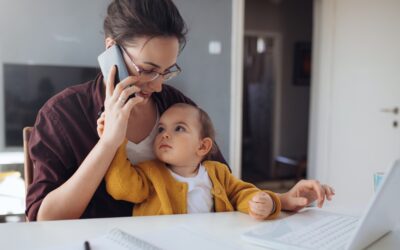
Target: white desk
{"points": [[224, 227]]}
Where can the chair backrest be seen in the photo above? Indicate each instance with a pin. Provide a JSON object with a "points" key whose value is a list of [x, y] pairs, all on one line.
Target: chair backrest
{"points": [[28, 165]]}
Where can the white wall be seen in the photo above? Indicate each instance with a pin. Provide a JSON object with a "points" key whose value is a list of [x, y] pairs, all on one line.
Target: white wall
{"points": [[357, 62], [206, 77], [52, 31]]}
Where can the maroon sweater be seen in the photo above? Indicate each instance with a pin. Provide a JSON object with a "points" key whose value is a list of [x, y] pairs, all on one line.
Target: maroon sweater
{"points": [[64, 134]]}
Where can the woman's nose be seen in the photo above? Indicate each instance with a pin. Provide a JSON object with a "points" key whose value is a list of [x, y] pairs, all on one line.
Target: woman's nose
{"points": [[156, 85]]}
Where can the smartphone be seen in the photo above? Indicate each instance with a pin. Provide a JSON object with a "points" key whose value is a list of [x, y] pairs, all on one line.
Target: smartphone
{"points": [[113, 56]]}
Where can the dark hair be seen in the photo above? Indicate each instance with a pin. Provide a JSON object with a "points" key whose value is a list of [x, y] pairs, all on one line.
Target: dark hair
{"points": [[130, 19]]}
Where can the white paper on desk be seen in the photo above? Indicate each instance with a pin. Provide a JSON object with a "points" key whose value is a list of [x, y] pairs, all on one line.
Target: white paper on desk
{"points": [[115, 239], [174, 238], [183, 237]]}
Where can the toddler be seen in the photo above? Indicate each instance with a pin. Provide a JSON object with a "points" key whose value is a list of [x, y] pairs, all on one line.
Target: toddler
{"points": [[180, 180]]}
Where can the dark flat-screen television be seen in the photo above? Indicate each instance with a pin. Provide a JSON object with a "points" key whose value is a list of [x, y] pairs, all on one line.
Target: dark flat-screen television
{"points": [[28, 87]]}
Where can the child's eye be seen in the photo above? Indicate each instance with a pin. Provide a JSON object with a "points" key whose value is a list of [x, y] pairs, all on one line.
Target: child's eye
{"points": [[160, 129], [179, 129]]}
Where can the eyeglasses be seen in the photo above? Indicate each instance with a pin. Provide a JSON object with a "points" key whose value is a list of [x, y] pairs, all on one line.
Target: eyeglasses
{"points": [[151, 75]]}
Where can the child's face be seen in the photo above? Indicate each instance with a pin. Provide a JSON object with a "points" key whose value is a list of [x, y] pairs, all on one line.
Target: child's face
{"points": [[178, 140]]}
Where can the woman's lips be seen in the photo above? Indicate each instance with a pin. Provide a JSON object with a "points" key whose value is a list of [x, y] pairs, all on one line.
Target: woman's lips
{"points": [[143, 95]]}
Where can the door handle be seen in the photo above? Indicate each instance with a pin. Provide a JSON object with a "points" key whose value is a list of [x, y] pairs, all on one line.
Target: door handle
{"points": [[394, 110]]}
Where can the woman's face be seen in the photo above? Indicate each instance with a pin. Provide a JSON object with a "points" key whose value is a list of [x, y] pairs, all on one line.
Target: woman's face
{"points": [[150, 55]]}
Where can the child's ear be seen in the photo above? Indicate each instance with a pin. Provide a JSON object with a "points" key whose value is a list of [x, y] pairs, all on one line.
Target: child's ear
{"points": [[205, 146]]}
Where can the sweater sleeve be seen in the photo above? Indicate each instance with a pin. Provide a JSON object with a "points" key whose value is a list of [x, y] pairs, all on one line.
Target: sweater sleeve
{"points": [[240, 193], [49, 154], [125, 181]]}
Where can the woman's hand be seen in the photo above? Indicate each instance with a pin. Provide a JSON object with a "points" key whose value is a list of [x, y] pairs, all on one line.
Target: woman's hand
{"points": [[117, 109], [260, 206], [304, 193]]}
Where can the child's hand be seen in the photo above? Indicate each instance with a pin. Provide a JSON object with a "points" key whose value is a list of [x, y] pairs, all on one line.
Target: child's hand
{"points": [[100, 124], [304, 193], [260, 206]]}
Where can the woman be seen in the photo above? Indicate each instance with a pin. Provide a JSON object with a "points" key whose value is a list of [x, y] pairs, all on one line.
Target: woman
{"points": [[70, 161]]}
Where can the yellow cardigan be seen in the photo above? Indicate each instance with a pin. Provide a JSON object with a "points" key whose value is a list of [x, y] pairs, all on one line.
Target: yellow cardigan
{"points": [[155, 191]]}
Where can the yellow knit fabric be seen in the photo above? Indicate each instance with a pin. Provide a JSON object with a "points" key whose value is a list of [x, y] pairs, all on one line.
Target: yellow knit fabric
{"points": [[155, 191]]}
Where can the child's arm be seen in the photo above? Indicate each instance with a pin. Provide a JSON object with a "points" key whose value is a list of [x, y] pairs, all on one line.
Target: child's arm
{"points": [[123, 180], [249, 199]]}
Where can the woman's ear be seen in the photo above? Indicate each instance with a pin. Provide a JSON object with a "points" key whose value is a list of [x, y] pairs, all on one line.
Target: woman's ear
{"points": [[109, 42], [205, 146]]}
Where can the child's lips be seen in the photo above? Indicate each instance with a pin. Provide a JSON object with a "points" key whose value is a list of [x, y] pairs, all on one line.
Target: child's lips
{"points": [[164, 146]]}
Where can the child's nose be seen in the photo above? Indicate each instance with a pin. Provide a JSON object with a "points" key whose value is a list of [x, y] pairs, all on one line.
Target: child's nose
{"points": [[165, 135]]}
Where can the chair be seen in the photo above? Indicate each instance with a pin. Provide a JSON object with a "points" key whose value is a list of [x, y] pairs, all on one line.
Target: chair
{"points": [[28, 165]]}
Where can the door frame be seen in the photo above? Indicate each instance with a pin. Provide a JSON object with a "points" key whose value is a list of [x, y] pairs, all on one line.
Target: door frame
{"points": [[323, 58], [236, 108]]}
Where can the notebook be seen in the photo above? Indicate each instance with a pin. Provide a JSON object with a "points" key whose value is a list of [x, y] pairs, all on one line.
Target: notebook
{"points": [[115, 239], [316, 229]]}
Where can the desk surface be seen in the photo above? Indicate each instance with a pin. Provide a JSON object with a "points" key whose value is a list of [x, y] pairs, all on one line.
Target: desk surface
{"points": [[224, 227]]}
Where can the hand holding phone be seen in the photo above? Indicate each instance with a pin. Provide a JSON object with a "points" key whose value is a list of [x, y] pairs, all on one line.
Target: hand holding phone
{"points": [[110, 57], [113, 56], [113, 122]]}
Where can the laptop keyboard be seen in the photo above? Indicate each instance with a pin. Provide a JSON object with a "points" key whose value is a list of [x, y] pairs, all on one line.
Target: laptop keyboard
{"points": [[331, 232]]}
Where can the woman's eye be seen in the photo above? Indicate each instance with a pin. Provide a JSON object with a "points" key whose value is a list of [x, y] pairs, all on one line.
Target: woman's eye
{"points": [[179, 129], [149, 72]]}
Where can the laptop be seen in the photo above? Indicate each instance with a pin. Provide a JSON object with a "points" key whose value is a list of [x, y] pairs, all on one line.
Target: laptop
{"points": [[312, 228]]}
